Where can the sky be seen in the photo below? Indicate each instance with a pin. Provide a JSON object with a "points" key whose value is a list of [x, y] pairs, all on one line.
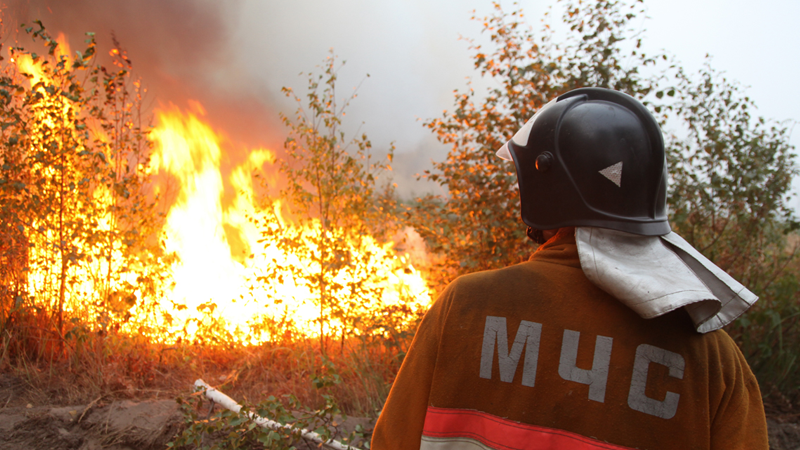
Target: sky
{"points": [[234, 56]]}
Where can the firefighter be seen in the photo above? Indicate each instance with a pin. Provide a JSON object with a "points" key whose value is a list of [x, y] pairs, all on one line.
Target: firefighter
{"points": [[608, 337]]}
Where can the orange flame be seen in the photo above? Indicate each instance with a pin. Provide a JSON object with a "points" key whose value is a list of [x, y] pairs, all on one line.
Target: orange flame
{"points": [[214, 277], [198, 227]]}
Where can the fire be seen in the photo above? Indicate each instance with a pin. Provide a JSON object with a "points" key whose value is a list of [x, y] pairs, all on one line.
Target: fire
{"points": [[218, 283], [26, 64], [52, 124], [211, 279]]}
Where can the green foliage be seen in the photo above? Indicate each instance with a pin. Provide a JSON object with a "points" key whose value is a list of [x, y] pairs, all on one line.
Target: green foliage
{"points": [[332, 178], [76, 229], [229, 430], [769, 334], [476, 226], [730, 170], [730, 179]]}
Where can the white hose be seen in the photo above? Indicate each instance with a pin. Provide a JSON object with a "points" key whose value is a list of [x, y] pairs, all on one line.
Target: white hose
{"points": [[230, 404]]}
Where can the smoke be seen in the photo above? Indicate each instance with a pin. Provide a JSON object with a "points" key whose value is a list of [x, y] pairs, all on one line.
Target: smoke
{"points": [[180, 49], [411, 51], [233, 58]]}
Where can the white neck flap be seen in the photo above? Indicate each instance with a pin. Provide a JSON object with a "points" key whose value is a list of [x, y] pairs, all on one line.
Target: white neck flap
{"points": [[654, 275]]}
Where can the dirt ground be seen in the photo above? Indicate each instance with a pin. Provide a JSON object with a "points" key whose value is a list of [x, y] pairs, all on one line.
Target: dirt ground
{"points": [[120, 425], [116, 424], [150, 424]]}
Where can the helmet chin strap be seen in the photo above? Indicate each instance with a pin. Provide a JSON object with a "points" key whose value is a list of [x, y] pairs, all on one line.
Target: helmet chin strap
{"points": [[535, 235]]}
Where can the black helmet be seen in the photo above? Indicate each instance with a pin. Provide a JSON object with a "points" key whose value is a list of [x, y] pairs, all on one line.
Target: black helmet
{"points": [[592, 157]]}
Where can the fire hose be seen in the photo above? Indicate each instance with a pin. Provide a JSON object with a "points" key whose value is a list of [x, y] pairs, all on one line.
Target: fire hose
{"points": [[230, 404]]}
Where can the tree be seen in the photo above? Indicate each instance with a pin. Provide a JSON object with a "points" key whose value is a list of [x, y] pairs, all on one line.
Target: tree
{"points": [[129, 261], [730, 177], [46, 142], [76, 213], [335, 244]]}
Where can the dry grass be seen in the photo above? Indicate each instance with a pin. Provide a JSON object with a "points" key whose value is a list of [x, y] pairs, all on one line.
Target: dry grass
{"points": [[91, 367]]}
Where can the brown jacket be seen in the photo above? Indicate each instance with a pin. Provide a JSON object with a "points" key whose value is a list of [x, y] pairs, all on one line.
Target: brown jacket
{"points": [[536, 356]]}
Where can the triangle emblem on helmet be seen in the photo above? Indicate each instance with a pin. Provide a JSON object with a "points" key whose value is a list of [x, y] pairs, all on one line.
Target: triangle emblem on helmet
{"points": [[613, 173]]}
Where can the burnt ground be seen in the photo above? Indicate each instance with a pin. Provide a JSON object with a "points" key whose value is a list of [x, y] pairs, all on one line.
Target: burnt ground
{"points": [[145, 424]]}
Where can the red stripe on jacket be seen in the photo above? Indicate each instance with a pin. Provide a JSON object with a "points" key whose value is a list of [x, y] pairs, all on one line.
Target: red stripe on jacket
{"points": [[500, 433]]}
